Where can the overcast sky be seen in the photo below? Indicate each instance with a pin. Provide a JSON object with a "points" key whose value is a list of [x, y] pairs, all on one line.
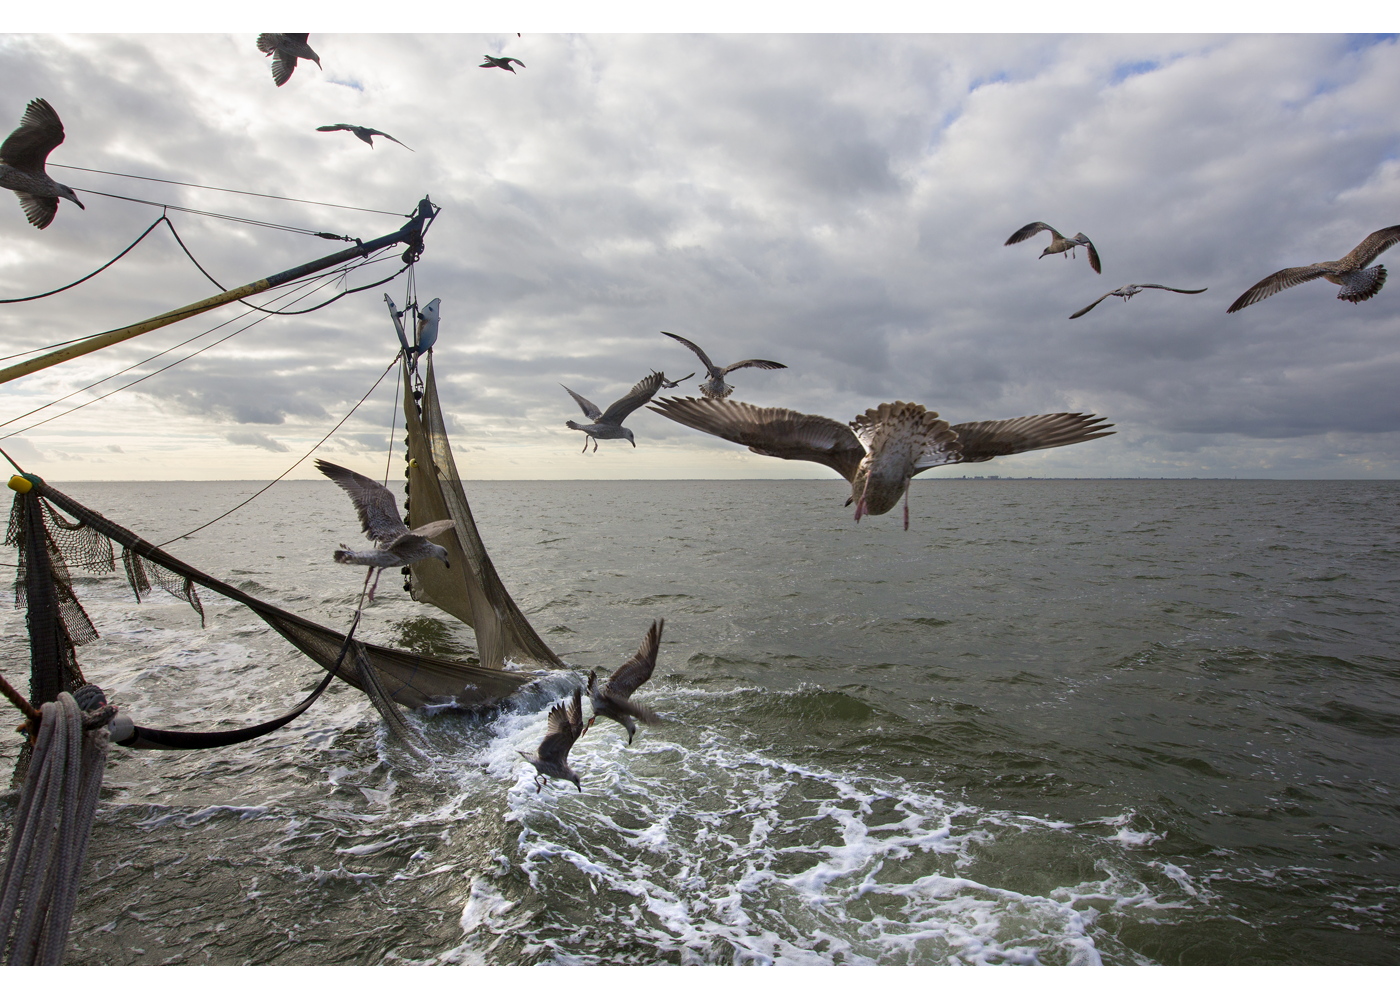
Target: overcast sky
{"points": [[835, 202]]}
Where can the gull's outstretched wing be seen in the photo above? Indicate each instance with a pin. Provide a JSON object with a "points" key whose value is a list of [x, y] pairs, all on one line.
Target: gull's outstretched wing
{"points": [[771, 431], [392, 139], [38, 210], [1029, 230], [984, 440], [379, 514], [335, 128], [636, 396], [1366, 251], [562, 730], [636, 671], [1093, 254], [704, 358], [1277, 282], [752, 363], [29, 146], [589, 410], [432, 529], [1090, 305], [1169, 288]]}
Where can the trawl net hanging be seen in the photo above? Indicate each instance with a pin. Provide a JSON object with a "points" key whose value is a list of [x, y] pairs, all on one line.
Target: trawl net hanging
{"points": [[470, 589], [411, 679]]}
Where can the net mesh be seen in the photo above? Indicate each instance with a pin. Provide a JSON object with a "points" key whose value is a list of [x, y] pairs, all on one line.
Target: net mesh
{"points": [[470, 589]]}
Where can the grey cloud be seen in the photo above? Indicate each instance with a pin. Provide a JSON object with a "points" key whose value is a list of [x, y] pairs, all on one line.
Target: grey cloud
{"points": [[256, 440]]}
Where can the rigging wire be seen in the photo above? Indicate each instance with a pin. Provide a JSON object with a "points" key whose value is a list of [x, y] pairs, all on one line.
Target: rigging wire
{"points": [[44, 295], [253, 194], [233, 319], [303, 458], [143, 378], [219, 215]]}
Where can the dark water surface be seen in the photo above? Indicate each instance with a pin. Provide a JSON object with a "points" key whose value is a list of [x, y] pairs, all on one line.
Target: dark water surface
{"points": [[1055, 721]]}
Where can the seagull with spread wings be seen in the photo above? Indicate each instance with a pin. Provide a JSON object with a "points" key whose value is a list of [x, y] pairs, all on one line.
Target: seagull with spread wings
{"points": [[1358, 281], [24, 160], [395, 543], [716, 387], [501, 62], [285, 50], [1059, 243], [561, 732], [613, 699], [1128, 291], [883, 449], [362, 132], [606, 426]]}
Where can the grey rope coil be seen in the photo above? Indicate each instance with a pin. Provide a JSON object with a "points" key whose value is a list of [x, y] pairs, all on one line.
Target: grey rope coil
{"points": [[52, 827]]}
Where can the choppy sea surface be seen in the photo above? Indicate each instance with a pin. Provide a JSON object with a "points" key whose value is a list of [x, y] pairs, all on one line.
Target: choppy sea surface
{"points": [[1054, 722]]}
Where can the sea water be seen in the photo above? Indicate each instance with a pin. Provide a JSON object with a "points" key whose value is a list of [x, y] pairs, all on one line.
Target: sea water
{"points": [[1054, 722]]}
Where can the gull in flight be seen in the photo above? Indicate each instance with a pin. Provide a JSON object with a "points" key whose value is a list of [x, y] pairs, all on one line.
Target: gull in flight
{"points": [[1128, 291], [285, 50], [1358, 281], [23, 160], [613, 699], [668, 384], [609, 425], [883, 449], [1059, 244], [395, 543], [362, 132], [501, 62], [561, 732], [716, 387]]}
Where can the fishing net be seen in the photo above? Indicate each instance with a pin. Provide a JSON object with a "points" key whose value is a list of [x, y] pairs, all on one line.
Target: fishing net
{"points": [[470, 589]]}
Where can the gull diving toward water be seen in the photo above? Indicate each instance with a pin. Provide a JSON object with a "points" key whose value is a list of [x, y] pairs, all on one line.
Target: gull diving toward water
{"points": [[24, 159], [884, 448], [395, 543], [1128, 291], [716, 387], [362, 132], [285, 50], [1059, 244], [561, 732], [609, 425], [1358, 282], [613, 700], [501, 62]]}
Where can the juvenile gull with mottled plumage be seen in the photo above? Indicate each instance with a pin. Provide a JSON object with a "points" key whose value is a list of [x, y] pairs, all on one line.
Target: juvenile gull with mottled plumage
{"points": [[883, 449], [1058, 243], [561, 732], [395, 543], [716, 387], [613, 699], [1128, 291], [24, 161], [1358, 281]]}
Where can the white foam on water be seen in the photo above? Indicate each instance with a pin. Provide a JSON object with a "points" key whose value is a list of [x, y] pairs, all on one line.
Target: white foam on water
{"points": [[688, 847]]}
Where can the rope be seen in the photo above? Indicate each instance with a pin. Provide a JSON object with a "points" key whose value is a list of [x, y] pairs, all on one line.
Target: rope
{"points": [[143, 378], [52, 827], [218, 215], [44, 295], [303, 458], [253, 194], [158, 354]]}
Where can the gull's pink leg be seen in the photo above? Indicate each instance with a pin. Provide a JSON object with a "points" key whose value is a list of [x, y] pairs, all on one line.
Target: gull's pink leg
{"points": [[585, 444], [906, 503], [861, 508], [376, 582]]}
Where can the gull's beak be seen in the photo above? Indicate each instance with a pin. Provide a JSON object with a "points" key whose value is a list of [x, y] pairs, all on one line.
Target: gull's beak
{"points": [[849, 500]]}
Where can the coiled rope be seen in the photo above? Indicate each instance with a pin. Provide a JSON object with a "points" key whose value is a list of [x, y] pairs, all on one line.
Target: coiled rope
{"points": [[53, 824]]}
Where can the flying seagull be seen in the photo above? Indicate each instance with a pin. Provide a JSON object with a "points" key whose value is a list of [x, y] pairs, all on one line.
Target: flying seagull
{"points": [[563, 729], [716, 387], [1128, 291], [395, 543], [285, 50], [668, 384], [609, 424], [1059, 244], [362, 132], [1358, 282], [501, 62], [613, 700], [881, 450], [23, 158]]}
